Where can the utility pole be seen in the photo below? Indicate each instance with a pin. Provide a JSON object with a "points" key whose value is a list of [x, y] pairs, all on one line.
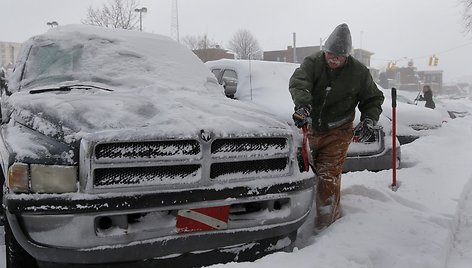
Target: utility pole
{"points": [[295, 48], [174, 24], [141, 11]]}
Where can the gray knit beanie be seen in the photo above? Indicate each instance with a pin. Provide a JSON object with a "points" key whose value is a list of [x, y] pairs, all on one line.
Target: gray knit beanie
{"points": [[339, 42]]}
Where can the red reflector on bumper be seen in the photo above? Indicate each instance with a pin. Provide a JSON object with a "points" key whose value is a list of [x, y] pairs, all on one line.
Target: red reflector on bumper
{"points": [[202, 219]]}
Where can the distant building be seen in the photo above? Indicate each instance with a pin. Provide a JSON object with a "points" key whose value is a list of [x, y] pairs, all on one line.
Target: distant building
{"points": [[215, 53], [8, 54], [362, 56], [301, 53], [402, 78], [288, 54], [432, 78], [409, 78]]}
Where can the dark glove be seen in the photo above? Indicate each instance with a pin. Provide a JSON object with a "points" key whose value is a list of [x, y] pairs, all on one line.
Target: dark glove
{"points": [[365, 131], [420, 98], [301, 116]]}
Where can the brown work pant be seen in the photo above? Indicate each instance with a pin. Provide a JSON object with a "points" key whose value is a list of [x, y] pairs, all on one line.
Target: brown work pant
{"points": [[329, 151]]}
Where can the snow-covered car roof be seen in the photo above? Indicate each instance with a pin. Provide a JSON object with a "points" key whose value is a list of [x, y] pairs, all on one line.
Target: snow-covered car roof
{"points": [[128, 59], [410, 115], [441, 107], [264, 83]]}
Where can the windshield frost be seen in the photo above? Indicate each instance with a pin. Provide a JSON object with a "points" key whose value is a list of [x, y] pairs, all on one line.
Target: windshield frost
{"points": [[50, 63], [115, 60]]}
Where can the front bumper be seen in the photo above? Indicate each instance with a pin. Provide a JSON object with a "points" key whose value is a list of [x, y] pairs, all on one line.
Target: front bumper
{"points": [[69, 230]]}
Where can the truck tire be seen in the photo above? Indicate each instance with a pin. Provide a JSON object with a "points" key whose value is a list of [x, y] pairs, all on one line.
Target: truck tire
{"points": [[16, 256]]}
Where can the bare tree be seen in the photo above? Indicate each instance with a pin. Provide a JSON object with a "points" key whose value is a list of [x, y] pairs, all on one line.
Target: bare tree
{"points": [[114, 14], [205, 48], [245, 45], [199, 42], [467, 15]]}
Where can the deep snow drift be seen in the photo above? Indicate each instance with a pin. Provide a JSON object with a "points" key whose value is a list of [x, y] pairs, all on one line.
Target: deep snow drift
{"points": [[426, 223]]}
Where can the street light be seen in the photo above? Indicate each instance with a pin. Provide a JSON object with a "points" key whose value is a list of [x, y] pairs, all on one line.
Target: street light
{"points": [[141, 11], [52, 23]]}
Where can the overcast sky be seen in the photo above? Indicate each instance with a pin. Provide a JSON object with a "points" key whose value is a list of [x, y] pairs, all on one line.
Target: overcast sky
{"points": [[392, 29]]}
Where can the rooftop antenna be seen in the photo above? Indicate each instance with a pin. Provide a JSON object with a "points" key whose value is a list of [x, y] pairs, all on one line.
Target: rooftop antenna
{"points": [[174, 24]]}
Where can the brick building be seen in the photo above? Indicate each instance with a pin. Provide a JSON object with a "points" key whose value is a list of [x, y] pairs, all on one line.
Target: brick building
{"points": [[213, 54], [288, 54]]}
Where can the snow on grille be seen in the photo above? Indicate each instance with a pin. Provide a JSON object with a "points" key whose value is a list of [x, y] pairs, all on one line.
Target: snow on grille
{"points": [[128, 164], [262, 168], [135, 176], [149, 149], [249, 146]]}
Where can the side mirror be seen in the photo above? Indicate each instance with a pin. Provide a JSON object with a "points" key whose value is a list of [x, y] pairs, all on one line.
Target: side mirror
{"points": [[230, 86]]}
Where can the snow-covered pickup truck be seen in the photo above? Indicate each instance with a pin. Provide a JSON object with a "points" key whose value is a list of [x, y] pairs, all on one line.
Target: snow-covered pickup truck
{"points": [[120, 146]]}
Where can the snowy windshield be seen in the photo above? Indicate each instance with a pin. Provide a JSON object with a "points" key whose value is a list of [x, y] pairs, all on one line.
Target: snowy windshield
{"points": [[72, 55], [96, 60], [54, 62]]}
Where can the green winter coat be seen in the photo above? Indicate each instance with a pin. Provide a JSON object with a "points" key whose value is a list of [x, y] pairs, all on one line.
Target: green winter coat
{"points": [[334, 95]]}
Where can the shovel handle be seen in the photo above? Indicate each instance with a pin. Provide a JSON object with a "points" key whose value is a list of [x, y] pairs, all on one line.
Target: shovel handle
{"points": [[304, 148], [394, 139]]}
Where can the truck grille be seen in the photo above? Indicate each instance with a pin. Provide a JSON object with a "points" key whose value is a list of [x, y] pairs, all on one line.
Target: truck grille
{"points": [[168, 162], [255, 167], [145, 175], [255, 145], [151, 150]]}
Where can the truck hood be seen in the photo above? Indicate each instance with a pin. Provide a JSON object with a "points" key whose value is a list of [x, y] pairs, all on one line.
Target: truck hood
{"points": [[69, 116]]}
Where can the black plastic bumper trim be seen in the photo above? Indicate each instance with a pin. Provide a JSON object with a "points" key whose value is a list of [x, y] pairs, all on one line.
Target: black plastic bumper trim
{"points": [[102, 202]]}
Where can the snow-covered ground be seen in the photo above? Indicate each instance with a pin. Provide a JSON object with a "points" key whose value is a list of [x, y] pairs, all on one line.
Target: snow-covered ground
{"points": [[426, 223]]}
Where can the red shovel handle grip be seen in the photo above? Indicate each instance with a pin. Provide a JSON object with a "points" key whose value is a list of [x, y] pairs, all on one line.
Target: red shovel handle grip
{"points": [[305, 149]]}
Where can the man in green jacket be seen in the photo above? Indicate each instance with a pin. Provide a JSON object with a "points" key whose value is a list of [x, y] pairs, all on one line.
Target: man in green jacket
{"points": [[326, 89]]}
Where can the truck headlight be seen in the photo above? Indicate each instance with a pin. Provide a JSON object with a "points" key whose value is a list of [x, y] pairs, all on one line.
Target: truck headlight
{"points": [[24, 178], [18, 178], [53, 178]]}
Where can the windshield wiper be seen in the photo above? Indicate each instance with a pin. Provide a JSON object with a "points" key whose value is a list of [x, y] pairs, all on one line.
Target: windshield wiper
{"points": [[67, 88]]}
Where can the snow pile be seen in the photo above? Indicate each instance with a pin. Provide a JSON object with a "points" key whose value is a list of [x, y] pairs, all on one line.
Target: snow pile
{"points": [[413, 227], [264, 83]]}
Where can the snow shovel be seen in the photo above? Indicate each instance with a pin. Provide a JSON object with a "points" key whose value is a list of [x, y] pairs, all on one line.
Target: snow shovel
{"points": [[306, 163], [394, 139]]}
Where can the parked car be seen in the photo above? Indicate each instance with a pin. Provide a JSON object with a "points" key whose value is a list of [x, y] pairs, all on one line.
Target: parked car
{"points": [[448, 110], [265, 83], [119, 146], [413, 121], [454, 107]]}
